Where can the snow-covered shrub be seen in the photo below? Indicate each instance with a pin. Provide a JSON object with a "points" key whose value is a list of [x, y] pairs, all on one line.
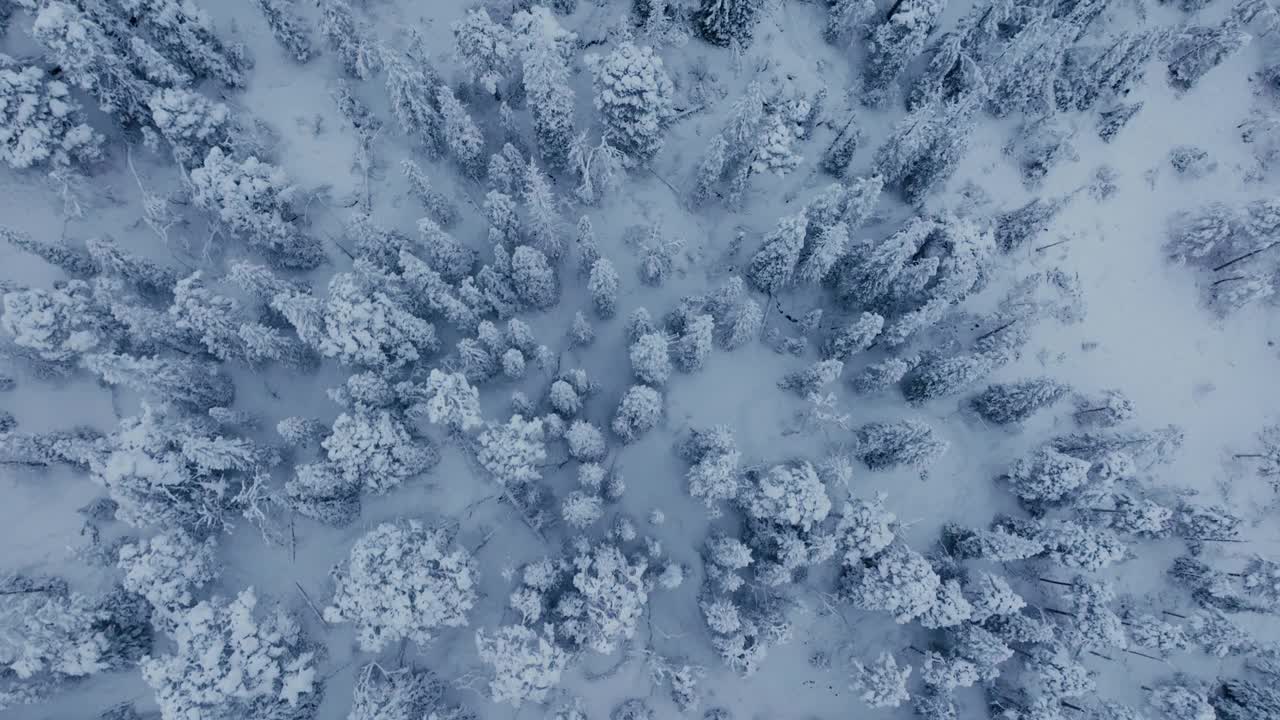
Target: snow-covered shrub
{"points": [[229, 662], [526, 665], [40, 123], [403, 581], [634, 97], [168, 568]]}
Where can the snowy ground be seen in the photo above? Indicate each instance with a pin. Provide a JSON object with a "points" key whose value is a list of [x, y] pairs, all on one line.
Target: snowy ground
{"points": [[1146, 332]]}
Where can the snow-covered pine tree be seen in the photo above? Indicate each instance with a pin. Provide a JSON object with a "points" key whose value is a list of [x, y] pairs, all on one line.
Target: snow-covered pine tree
{"points": [[411, 89], [945, 376], [352, 39], [526, 664], [230, 661], [723, 22], [773, 266], [189, 383], [485, 48], [1196, 50], [898, 580], [1048, 477], [288, 29], [461, 134], [403, 581], [541, 39], [634, 97], [895, 43], [1005, 403], [40, 122], [438, 205], [533, 279], [542, 219], [883, 445], [638, 412], [251, 198], [883, 684], [169, 568]]}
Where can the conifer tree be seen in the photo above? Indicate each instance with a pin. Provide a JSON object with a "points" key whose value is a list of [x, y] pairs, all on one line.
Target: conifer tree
{"points": [[905, 442], [773, 267], [896, 42], [546, 81], [633, 95], [485, 48], [1005, 403], [352, 39], [721, 22], [461, 134]]}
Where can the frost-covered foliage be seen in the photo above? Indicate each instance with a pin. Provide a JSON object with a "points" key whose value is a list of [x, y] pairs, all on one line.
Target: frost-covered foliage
{"points": [[48, 631], [898, 580], [231, 661], [485, 47], [373, 449], [788, 495], [638, 412], [403, 581], [40, 122]]}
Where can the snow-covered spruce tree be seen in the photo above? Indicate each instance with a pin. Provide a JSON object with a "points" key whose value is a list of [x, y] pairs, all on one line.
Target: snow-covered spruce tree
{"points": [[603, 286], [57, 326], [533, 279], [1239, 699], [722, 22], [461, 134], [351, 38], [883, 684], [184, 32], [607, 599], [811, 379], [485, 48], [848, 17], [990, 596], [250, 198], [71, 260], [451, 401], [944, 376], [513, 452], [169, 568], [288, 29], [403, 581], [411, 90], [853, 337], [895, 43], [229, 662], [542, 219], [695, 343], [189, 383], [638, 412], [359, 323], [1005, 403], [884, 445], [1048, 477], [634, 97], [40, 123], [898, 580], [167, 472], [322, 492], [49, 634], [444, 253], [151, 280], [865, 529], [526, 665], [869, 271], [191, 123], [773, 266], [439, 207], [91, 57], [651, 358], [540, 41], [714, 455], [374, 448], [1079, 546], [926, 145], [1198, 49], [1181, 698], [787, 495]]}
